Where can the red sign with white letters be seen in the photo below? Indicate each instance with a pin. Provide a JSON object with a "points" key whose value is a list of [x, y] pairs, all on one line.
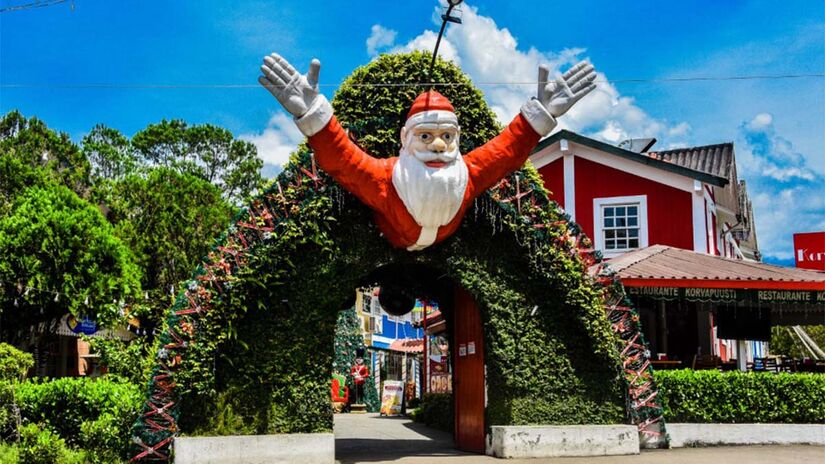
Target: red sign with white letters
{"points": [[809, 250]]}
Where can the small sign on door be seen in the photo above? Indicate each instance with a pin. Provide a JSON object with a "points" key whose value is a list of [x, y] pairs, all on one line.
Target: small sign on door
{"points": [[471, 348], [462, 350]]}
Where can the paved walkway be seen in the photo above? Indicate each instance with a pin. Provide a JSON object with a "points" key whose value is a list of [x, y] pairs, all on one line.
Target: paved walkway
{"points": [[369, 438]]}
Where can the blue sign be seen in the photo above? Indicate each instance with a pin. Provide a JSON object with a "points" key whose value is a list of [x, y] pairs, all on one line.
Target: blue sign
{"points": [[83, 326]]}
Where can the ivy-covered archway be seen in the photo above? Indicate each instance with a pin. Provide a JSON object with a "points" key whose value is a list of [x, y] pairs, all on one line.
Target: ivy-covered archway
{"points": [[248, 343]]}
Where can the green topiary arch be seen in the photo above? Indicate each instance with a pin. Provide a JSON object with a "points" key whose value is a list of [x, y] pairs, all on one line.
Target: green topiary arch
{"points": [[248, 343]]}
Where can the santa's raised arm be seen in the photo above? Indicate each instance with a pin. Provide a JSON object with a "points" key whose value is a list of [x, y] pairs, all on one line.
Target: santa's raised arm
{"points": [[420, 196]]}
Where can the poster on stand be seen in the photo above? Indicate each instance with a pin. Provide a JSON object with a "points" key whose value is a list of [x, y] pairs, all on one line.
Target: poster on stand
{"points": [[391, 398]]}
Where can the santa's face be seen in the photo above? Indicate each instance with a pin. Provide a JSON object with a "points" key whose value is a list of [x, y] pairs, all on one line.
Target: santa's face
{"points": [[430, 176], [435, 145]]}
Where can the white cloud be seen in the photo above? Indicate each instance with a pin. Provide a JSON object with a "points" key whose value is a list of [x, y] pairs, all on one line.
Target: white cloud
{"points": [[786, 193], [760, 122], [491, 56], [280, 138], [426, 41], [679, 130], [381, 37]]}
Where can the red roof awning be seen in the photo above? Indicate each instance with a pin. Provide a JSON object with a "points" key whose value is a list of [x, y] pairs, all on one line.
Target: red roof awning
{"points": [[408, 345], [663, 266]]}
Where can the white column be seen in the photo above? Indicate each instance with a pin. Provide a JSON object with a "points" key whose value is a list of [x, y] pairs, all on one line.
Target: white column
{"points": [[700, 237], [742, 355], [569, 183]]}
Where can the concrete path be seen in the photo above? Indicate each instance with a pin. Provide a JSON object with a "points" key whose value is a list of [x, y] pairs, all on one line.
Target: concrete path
{"points": [[369, 438]]}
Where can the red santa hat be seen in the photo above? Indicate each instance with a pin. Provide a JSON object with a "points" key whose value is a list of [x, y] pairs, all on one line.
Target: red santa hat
{"points": [[431, 108]]}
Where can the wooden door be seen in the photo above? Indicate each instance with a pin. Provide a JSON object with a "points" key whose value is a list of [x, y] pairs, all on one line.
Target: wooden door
{"points": [[468, 372]]}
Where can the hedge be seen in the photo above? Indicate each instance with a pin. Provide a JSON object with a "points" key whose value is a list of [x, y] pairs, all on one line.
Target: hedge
{"points": [[436, 411], [92, 414], [738, 397]]}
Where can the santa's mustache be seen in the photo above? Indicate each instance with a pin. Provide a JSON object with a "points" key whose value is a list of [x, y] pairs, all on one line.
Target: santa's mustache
{"points": [[428, 156]]}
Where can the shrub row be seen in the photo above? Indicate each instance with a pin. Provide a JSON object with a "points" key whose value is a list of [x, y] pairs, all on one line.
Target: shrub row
{"points": [[737, 397], [436, 411], [90, 414]]}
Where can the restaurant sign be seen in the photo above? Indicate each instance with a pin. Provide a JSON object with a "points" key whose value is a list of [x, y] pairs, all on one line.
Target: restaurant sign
{"points": [[729, 295], [809, 250]]}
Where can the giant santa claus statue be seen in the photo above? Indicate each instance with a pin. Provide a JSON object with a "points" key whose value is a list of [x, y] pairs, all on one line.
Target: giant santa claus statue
{"points": [[420, 196]]}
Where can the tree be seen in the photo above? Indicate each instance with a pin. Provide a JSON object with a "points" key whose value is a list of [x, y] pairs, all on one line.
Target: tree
{"points": [[35, 145], [785, 342], [62, 247], [169, 220], [206, 151], [348, 340], [109, 152]]}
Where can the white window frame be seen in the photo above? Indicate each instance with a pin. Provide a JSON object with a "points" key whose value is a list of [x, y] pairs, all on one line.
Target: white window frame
{"points": [[598, 221]]}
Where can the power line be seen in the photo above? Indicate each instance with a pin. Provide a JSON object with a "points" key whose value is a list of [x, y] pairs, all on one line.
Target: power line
{"points": [[29, 6], [436, 84]]}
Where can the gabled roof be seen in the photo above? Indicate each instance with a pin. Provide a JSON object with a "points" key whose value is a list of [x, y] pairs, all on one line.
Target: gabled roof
{"points": [[709, 178], [660, 265], [712, 159]]}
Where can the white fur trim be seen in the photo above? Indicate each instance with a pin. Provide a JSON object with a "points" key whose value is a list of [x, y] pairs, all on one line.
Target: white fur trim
{"points": [[425, 238], [432, 117], [539, 118], [316, 118]]}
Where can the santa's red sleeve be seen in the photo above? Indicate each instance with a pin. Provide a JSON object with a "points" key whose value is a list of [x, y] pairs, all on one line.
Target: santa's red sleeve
{"points": [[366, 177], [509, 150]]}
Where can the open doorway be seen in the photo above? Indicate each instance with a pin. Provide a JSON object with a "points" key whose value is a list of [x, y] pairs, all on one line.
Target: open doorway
{"points": [[422, 342]]}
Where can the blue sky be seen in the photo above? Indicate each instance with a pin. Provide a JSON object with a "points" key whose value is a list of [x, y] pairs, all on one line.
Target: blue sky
{"points": [[778, 125]]}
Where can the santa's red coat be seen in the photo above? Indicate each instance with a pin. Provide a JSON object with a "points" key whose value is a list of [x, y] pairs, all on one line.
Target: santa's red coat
{"points": [[370, 179]]}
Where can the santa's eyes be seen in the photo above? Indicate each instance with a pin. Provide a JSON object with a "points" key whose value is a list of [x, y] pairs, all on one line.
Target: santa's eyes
{"points": [[428, 137]]}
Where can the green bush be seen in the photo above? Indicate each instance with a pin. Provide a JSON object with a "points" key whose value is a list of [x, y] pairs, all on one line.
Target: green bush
{"points": [[94, 414], [737, 397], [14, 363], [436, 411], [39, 446], [9, 454]]}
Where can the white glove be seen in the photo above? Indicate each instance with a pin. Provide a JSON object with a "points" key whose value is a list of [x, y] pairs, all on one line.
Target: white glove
{"points": [[294, 91], [568, 88]]}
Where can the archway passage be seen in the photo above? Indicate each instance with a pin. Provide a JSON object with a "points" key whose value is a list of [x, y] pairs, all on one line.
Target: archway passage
{"points": [[247, 346]]}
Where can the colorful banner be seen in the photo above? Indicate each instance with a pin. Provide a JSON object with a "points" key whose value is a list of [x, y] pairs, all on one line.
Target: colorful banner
{"points": [[391, 397]]}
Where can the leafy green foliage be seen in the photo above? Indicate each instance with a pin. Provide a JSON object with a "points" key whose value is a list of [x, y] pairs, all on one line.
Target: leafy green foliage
{"points": [[109, 152], [14, 364], [736, 397], [206, 151], [436, 411], [784, 342], [32, 143], [92, 414], [41, 446], [376, 114], [9, 454], [168, 220], [54, 240], [130, 360]]}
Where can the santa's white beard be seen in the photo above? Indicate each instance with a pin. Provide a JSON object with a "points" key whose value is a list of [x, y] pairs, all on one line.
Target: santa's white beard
{"points": [[432, 195]]}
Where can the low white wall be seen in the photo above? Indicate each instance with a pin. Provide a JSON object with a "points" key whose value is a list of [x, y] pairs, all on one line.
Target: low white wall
{"points": [[294, 448], [540, 441], [682, 435]]}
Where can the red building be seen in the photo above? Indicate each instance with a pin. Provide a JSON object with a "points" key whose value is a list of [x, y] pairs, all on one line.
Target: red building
{"points": [[646, 205], [629, 197]]}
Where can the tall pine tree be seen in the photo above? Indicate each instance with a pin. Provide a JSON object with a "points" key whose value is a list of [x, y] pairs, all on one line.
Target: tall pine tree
{"points": [[348, 341]]}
